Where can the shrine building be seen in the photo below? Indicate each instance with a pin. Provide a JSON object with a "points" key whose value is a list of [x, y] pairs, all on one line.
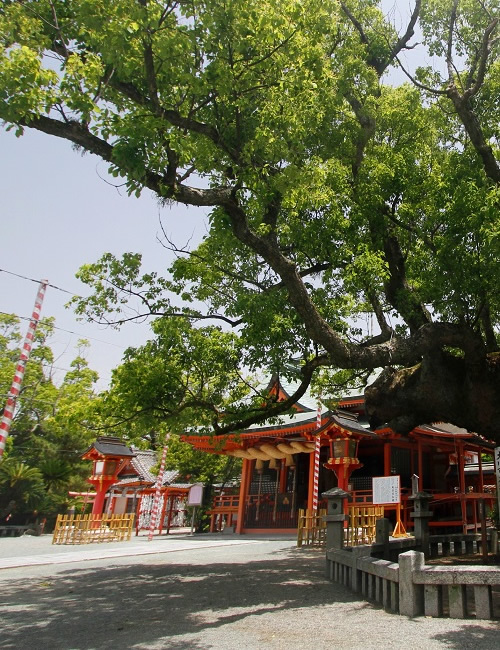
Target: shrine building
{"points": [[277, 478], [124, 482]]}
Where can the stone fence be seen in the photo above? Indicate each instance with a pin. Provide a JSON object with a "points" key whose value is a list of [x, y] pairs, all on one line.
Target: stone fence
{"points": [[393, 572]]}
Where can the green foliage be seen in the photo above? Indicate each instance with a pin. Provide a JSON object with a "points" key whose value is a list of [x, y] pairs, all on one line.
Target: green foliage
{"points": [[21, 487], [332, 193], [52, 426], [186, 378]]}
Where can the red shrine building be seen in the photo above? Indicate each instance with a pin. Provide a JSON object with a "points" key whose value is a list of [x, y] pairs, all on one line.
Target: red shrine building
{"points": [[124, 482], [278, 467]]}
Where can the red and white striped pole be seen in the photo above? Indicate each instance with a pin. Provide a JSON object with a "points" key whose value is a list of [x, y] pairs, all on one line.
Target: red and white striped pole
{"points": [[8, 413], [317, 450], [156, 501]]}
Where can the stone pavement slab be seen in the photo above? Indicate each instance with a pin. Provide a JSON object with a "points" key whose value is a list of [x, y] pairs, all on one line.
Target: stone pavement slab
{"points": [[32, 551], [260, 595]]}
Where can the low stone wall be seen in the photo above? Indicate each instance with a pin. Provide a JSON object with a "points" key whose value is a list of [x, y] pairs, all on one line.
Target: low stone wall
{"points": [[393, 572], [411, 588]]}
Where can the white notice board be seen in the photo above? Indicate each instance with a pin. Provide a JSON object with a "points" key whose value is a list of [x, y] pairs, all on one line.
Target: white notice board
{"points": [[386, 489], [195, 497]]}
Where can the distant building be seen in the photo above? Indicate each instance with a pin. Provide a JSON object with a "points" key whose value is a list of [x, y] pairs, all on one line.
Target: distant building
{"points": [[125, 483]]}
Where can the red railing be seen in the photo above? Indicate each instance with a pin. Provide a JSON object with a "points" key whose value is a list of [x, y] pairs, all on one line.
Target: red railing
{"points": [[450, 510]]}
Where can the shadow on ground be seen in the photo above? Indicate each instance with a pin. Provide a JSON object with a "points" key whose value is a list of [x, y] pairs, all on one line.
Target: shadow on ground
{"points": [[197, 606], [108, 607]]}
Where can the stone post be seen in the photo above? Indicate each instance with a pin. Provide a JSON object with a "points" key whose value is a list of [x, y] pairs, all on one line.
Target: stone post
{"points": [[382, 534], [335, 517], [411, 595], [421, 515]]}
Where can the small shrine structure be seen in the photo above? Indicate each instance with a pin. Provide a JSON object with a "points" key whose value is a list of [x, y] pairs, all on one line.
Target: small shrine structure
{"points": [[124, 481]]}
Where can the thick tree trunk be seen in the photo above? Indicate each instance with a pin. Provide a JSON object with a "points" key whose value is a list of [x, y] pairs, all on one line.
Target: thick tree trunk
{"points": [[442, 388]]}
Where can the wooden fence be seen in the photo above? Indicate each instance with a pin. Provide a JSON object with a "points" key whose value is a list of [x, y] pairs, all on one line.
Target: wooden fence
{"points": [[362, 523], [87, 529], [311, 529]]}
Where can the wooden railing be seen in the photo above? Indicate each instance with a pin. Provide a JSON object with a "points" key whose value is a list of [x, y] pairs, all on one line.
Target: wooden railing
{"points": [[457, 510], [311, 529], [86, 529], [361, 524], [223, 512]]}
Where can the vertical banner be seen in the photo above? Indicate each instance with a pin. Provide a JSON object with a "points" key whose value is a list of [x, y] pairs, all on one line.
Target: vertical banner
{"points": [[317, 450], [8, 413], [156, 501]]}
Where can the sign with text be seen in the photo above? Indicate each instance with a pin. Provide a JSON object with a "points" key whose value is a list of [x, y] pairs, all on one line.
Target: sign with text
{"points": [[195, 497], [386, 489]]}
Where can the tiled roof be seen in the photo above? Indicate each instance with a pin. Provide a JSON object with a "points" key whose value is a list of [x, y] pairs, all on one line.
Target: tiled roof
{"points": [[144, 461], [111, 446]]}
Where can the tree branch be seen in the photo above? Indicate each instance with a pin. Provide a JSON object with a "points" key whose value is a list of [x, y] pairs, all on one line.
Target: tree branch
{"points": [[410, 31]]}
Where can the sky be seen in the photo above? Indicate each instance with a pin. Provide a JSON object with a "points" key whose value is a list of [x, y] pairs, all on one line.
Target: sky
{"points": [[57, 212]]}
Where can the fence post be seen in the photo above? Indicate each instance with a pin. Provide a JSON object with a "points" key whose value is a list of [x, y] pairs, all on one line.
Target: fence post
{"points": [[411, 595], [382, 533], [421, 515]]}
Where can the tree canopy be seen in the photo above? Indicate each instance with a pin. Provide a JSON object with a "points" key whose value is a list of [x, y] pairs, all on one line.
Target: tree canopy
{"points": [[334, 195], [52, 426]]}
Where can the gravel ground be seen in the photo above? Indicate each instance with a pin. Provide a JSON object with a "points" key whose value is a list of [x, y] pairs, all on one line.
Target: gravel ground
{"points": [[262, 594]]}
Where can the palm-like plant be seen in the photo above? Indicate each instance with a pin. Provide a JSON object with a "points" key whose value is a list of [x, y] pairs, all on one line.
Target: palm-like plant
{"points": [[21, 484], [55, 472]]}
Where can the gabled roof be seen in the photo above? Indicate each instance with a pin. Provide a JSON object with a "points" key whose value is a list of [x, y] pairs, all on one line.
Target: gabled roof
{"points": [[142, 463], [307, 403], [109, 446]]}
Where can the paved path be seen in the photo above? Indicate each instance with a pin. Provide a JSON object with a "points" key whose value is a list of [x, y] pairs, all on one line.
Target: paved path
{"points": [[205, 593], [19, 551]]}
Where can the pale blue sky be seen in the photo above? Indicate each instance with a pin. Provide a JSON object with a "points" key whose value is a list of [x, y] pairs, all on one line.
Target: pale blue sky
{"points": [[56, 214]]}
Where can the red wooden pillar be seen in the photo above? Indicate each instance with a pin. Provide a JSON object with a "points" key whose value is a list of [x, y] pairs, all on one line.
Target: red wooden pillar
{"points": [[461, 482], [387, 458], [343, 475], [420, 466], [246, 477], [101, 489], [461, 470], [170, 511]]}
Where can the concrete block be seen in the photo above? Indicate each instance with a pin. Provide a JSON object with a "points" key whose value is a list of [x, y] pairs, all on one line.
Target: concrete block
{"points": [[411, 595], [457, 599], [433, 596], [484, 601]]}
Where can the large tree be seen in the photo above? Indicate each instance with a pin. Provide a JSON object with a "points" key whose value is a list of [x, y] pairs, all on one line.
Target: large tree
{"points": [[333, 194]]}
